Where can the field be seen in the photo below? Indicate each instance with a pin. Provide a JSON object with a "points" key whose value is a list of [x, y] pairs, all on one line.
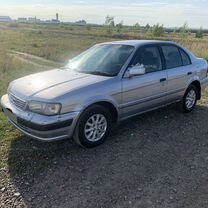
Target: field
{"points": [[158, 159]]}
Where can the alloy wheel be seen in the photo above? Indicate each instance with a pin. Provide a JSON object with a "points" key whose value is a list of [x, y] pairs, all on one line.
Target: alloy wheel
{"points": [[95, 127]]}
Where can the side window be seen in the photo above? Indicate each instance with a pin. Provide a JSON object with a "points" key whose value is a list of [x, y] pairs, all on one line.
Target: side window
{"points": [[149, 57], [185, 58], [172, 56]]}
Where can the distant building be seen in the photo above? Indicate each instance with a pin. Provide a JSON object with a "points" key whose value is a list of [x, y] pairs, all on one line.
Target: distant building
{"points": [[5, 19], [53, 21], [33, 19], [22, 19], [81, 22]]}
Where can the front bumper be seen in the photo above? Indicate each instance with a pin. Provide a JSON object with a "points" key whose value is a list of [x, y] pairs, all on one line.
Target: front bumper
{"points": [[44, 128]]}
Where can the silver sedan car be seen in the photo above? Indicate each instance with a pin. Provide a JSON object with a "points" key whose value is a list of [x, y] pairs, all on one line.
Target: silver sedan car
{"points": [[106, 84]]}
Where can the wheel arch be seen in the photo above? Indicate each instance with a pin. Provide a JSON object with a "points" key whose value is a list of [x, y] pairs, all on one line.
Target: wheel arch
{"points": [[107, 104], [197, 84], [112, 109]]}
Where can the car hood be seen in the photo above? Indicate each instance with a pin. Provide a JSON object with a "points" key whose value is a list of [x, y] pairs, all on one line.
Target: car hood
{"points": [[56, 82]]}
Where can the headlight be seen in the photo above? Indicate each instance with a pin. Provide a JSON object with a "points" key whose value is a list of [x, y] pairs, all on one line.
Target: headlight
{"points": [[45, 108]]}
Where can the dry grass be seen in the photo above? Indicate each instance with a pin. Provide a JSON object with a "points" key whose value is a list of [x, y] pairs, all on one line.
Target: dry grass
{"points": [[198, 47], [57, 44]]}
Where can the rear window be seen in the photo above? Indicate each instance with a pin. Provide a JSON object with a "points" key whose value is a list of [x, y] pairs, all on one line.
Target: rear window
{"points": [[172, 56], [185, 58]]}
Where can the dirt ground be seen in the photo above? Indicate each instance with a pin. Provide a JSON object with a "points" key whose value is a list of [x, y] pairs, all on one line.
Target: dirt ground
{"points": [[156, 160]]}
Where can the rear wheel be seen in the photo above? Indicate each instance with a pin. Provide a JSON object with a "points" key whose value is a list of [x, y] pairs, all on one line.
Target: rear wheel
{"points": [[189, 100], [93, 126]]}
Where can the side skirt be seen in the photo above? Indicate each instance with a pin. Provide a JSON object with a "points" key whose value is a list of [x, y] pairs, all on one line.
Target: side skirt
{"points": [[149, 110]]}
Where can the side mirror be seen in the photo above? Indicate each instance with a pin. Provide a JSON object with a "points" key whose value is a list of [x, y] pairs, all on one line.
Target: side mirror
{"points": [[136, 70]]}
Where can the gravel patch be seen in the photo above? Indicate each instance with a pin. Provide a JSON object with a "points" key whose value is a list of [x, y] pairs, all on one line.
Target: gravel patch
{"points": [[159, 159]]}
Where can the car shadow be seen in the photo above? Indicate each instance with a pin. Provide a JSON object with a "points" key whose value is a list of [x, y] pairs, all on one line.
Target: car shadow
{"points": [[144, 160]]}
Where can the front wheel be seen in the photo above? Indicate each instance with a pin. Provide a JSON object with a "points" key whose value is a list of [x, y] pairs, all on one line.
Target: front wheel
{"points": [[189, 100], [93, 126]]}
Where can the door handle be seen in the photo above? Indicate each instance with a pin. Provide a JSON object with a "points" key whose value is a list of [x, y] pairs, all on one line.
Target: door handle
{"points": [[163, 80], [189, 73]]}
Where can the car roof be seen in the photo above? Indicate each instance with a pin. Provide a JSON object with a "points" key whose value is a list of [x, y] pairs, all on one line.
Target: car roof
{"points": [[137, 43]]}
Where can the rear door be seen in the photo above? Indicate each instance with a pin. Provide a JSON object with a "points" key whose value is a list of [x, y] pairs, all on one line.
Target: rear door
{"points": [[179, 70], [143, 92]]}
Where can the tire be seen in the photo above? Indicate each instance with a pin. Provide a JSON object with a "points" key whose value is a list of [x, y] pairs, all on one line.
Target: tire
{"points": [[87, 126], [189, 100]]}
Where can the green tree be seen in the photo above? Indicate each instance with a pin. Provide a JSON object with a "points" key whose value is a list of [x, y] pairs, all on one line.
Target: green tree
{"points": [[199, 33], [147, 26], [158, 30], [109, 23], [184, 30], [136, 27], [119, 26], [148, 29]]}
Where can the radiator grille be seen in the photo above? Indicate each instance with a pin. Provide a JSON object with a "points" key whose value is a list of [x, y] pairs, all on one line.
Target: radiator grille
{"points": [[17, 102]]}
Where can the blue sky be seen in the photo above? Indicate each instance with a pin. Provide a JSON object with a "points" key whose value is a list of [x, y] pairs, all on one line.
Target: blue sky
{"points": [[167, 12]]}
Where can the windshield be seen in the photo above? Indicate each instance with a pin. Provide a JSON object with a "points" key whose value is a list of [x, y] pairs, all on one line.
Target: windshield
{"points": [[105, 60]]}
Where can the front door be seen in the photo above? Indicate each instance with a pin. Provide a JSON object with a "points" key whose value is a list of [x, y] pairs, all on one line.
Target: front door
{"points": [[144, 92]]}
